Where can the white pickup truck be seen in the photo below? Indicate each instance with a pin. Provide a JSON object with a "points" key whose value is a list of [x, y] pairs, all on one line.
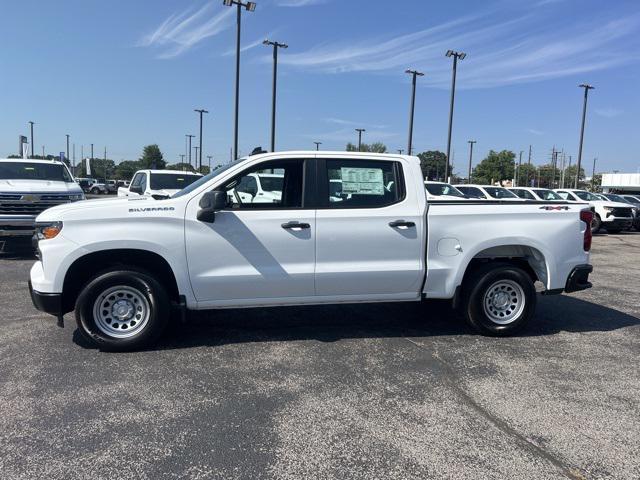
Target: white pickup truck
{"points": [[122, 264], [162, 183]]}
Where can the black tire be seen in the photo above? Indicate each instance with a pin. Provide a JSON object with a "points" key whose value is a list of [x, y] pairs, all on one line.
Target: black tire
{"points": [[95, 191], [614, 230], [596, 223], [503, 277], [103, 332]]}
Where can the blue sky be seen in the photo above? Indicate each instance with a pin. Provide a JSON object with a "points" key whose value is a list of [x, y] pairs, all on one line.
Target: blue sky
{"points": [[123, 74]]}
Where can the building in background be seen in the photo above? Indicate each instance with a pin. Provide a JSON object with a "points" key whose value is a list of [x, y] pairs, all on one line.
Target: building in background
{"points": [[621, 183]]}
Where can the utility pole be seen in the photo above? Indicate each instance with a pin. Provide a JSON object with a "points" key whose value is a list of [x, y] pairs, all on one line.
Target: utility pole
{"points": [[318, 145], [456, 56], [181, 158], [196, 148], [250, 7], [275, 46], [32, 144], [529, 169], [360, 130], [518, 170], [74, 160], [414, 74], [67, 147], [586, 87], [200, 111], [593, 174], [92, 151], [189, 147], [470, 142], [43, 152]]}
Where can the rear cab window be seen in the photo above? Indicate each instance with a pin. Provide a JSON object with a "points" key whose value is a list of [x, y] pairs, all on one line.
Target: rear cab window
{"points": [[348, 183]]}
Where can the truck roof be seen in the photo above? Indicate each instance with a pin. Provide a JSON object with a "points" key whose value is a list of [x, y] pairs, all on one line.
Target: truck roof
{"points": [[355, 155], [171, 172], [29, 160]]}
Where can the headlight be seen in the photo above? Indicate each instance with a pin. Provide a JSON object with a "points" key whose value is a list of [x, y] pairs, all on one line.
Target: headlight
{"points": [[48, 230], [609, 209], [76, 197]]}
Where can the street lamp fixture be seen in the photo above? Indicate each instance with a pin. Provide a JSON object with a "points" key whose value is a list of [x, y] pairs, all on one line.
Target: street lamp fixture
{"points": [[318, 145], [276, 46], [456, 56], [414, 74], [250, 7]]}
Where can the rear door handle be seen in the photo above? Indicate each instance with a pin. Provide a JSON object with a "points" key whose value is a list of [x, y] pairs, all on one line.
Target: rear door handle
{"points": [[401, 223], [292, 225]]}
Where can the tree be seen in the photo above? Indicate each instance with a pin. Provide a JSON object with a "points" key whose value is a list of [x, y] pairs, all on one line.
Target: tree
{"points": [[152, 158], [185, 167], [377, 147], [496, 167], [126, 169], [596, 182], [433, 164], [100, 168], [526, 173]]}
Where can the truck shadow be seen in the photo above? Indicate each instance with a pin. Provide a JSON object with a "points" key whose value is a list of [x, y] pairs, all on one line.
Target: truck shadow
{"points": [[386, 320]]}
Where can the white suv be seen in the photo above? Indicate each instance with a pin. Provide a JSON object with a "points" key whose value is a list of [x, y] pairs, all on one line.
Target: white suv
{"points": [[488, 192], [613, 216]]}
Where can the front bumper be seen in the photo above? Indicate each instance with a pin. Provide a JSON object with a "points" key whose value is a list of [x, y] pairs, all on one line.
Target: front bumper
{"points": [[17, 225], [578, 279], [46, 302], [617, 222]]}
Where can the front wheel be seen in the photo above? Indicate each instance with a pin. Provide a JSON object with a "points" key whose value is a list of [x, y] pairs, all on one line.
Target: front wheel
{"points": [[596, 224], [122, 310], [499, 299]]}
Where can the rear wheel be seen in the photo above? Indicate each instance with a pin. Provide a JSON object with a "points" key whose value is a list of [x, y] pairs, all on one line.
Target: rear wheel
{"points": [[95, 191], [122, 310], [499, 299]]}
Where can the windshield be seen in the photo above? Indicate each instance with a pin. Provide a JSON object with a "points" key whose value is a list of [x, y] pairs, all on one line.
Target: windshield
{"points": [[589, 197], [271, 184], [499, 192], [471, 192], [545, 194], [616, 198], [439, 189], [632, 199], [54, 172], [202, 180], [171, 181]]}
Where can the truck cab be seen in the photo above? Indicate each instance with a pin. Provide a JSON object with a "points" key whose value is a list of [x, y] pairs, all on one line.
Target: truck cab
{"points": [[157, 182]]}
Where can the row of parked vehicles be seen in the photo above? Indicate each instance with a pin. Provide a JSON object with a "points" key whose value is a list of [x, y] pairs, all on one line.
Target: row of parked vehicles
{"points": [[612, 212]]}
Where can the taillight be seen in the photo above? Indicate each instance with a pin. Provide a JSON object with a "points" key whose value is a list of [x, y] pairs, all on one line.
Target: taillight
{"points": [[586, 216]]}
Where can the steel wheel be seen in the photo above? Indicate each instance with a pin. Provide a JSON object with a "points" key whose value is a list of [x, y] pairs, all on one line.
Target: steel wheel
{"points": [[121, 311], [504, 302]]}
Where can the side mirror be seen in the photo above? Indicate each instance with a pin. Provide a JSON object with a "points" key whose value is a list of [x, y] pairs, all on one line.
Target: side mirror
{"points": [[210, 203], [136, 189]]}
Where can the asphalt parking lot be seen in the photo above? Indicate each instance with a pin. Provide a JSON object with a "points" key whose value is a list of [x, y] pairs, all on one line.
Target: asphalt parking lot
{"points": [[384, 391]]}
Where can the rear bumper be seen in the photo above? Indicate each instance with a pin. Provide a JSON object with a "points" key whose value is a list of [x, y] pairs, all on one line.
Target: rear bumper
{"points": [[17, 225], [578, 279], [46, 302]]}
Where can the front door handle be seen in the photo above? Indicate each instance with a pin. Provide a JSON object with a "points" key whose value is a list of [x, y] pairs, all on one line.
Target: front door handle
{"points": [[292, 225], [401, 223]]}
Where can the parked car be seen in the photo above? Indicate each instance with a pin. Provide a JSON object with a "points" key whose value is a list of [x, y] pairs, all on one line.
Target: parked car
{"points": [[85, 183], [98, 188], [530, 193], [122, 264], [613, 216], [260, 187], [635, 206], [27, 188], [163, 183], [442, 191], [112, 186], [489, 192]]}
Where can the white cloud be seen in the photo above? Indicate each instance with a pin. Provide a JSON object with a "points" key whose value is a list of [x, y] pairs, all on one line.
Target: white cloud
{"points": [[299, 3], [509, 52], [608, 112], [533, 131], [351, 123], [178, 33], [248, 46]]}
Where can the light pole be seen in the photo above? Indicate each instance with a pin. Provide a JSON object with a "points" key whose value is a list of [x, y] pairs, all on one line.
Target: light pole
{"points": [[470, 142], [92, 151], [275, 46], [593, 174], [414, 74], [181, 158], [200, 111], [67, 148], [360, 131], [249, 6], [196, 148], [456, 56], [400, 151], [32, 124], [318, 145], [189, 137], [519, 167], [586, 87], [209, 157]]}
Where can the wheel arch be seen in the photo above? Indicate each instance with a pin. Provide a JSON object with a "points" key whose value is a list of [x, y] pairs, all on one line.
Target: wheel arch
{"points": [[84, 268]]}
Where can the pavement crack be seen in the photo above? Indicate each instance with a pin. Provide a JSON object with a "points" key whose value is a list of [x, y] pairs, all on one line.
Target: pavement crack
{"points": [[499, 423]]}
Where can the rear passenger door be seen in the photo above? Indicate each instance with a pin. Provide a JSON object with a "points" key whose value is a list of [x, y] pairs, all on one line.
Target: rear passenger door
{"points": [[369, 231]]}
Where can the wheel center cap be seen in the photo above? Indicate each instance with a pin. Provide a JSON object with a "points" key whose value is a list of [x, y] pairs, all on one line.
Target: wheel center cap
{"points": [[122, 310], [501, 300]]}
